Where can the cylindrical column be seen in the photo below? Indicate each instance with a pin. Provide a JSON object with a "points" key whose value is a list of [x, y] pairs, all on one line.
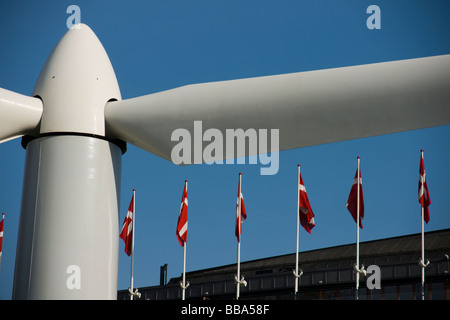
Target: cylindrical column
{"points": [[68, 231]]}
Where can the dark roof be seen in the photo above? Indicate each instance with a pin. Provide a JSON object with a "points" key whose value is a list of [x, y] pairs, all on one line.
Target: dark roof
{"points": [[402, 245]]}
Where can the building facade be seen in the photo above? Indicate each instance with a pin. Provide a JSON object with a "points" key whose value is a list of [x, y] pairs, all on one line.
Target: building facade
{"points": [[328, 274]]}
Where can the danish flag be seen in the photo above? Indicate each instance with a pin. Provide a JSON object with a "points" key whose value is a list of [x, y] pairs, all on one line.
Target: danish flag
{"points": [[183, 218], [241, 214], [2, 225], [424, 196], [353, 198], [127, 228], [305, 212]]}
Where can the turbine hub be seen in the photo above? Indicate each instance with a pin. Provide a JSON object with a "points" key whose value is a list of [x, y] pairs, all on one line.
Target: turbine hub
{"points": [[75, 83]]}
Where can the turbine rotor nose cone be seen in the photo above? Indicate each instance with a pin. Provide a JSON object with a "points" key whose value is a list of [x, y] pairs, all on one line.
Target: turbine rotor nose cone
{"points": [[75, 83]]}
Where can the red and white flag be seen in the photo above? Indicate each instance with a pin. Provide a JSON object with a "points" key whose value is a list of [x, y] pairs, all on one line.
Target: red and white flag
{"points": [[305, 212], [182, 224], [126, 234], [2, 225], [241, 214], [353, 198], [424, 196]]}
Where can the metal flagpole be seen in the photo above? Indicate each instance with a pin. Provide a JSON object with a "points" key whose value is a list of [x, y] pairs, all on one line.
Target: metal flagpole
{"points": [[357, 233], [238, 270], [2, 224], [184, 273], [184, 286], [239, 280], [296, 275], [238, 277], [132, 245], [133, 292], [422, 262], [298, 218], [358, 206]]}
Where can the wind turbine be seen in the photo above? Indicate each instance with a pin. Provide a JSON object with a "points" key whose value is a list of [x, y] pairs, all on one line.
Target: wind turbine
{"points": [[75, 127]]}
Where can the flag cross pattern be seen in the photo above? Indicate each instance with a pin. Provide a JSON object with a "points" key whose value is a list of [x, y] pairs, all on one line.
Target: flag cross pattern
{"points": [[126, 234], [352, 198], [305, 212], [2, 225], [424, 195], [182, 225], [241, 214]]}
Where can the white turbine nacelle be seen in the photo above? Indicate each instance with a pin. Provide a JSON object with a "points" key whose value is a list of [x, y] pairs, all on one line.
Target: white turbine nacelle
{"points": [[70, 94], [75, 84], [74, 124]]}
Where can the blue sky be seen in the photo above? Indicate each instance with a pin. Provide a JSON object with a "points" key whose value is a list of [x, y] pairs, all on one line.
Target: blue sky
{"points": [[159, 45]]}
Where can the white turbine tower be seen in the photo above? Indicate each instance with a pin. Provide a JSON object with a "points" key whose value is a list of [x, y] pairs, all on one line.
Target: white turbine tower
{"points": [[75, 127]]}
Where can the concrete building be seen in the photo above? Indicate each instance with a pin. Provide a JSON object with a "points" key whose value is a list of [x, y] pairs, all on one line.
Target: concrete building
{"points": [[327, 274]]}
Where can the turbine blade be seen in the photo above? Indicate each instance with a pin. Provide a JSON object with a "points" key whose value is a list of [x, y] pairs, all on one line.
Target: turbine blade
{"points": [[19, 114], [308, 108]]}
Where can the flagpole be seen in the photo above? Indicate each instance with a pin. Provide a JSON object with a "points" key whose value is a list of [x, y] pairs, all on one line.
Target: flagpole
{"points": [[183, 286], [422, 261], [132, 245], [1, 236], [423, 243], [238, 277], [357, 232], [184, 261], [238, 271], [298, 222]]}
